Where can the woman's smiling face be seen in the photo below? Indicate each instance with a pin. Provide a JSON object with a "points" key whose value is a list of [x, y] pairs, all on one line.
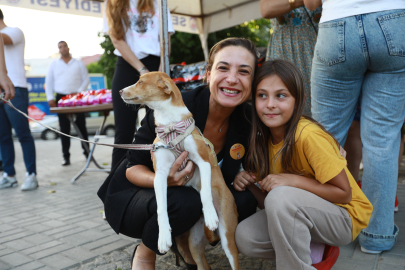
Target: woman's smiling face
{"points": [[231, 75]]}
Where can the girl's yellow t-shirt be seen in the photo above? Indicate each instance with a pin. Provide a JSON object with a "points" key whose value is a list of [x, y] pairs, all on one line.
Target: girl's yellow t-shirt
{"points": [[318, 157]]}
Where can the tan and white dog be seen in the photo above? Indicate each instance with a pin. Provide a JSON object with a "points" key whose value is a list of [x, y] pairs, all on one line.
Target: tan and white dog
{"points": [[159, 92]]}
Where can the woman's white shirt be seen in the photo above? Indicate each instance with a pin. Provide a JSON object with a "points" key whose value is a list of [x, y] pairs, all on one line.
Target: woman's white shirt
{"points": [[142, 36], [337, 9]]}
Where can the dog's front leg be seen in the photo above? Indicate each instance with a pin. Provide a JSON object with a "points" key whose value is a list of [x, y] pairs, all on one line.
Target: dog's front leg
{"points": [[163, 161], [210, 214]]}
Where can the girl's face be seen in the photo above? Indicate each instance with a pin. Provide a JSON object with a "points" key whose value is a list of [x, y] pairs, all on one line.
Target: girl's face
{"points": [[231, 75], [274, 103]]}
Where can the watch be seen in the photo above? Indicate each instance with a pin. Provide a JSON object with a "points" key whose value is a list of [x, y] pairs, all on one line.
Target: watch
{"points": [[143, 69]]}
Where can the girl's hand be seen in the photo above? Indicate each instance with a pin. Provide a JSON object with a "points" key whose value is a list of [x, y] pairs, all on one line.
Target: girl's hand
{"points": [[178, 178], [242, 180], [277, 180], [342, 151]]}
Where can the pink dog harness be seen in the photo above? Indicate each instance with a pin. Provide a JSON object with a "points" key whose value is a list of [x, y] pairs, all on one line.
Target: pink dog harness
{"points": [[173, 135]]}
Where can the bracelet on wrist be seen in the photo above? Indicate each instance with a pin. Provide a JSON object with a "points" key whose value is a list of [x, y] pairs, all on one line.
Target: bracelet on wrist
{"points": [[292, 4], [143, 69]]}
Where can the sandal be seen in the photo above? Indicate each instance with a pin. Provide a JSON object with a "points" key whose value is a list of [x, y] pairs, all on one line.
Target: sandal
{"points": [[178, 257]]}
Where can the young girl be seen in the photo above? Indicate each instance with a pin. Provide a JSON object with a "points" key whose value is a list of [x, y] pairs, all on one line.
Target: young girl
{"points": [[306, 192]]}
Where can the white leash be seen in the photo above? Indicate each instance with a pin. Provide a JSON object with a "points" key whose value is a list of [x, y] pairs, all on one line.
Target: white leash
{"points": [[151, 147]]}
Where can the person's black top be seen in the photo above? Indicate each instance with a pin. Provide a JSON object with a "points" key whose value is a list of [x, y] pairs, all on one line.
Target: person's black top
{"points": [[117, 192]]}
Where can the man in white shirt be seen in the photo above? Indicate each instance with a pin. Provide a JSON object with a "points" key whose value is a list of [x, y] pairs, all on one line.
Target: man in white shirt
{"points": [[6, 84], [67, 76], [14, 42]]}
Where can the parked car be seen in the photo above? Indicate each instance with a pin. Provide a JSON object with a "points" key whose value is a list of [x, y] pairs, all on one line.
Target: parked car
{"points": [[93, 122]]}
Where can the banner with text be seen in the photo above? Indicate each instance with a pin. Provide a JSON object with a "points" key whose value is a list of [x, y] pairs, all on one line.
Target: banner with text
{"points": [[77, 7], [181, 23]]}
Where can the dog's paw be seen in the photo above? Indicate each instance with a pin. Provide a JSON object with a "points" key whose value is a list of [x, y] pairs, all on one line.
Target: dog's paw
{"points": [[211, 218], [165, 239]]}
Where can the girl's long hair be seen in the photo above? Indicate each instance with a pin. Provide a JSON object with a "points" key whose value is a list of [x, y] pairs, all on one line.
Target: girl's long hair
{"points": [[117, 15], [257, 159]]}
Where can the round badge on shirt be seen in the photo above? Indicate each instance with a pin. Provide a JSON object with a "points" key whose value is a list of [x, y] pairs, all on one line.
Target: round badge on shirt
{"points": [[237, 151]]}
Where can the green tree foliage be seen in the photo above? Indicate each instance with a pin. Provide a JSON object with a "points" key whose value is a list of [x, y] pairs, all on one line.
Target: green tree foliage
{"points": [[187, 47], [108, 59], [94, 68]]}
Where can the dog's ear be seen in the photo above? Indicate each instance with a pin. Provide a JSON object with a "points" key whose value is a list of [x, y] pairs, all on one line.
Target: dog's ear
{"points": [[164, 85]]}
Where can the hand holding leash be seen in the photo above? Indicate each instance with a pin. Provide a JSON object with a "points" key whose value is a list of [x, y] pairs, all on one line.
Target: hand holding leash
{"points": [[7, 86], [180, 178]]}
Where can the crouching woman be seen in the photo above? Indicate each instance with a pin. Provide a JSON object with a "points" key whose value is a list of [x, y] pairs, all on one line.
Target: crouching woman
{"points": [[222, 115]]}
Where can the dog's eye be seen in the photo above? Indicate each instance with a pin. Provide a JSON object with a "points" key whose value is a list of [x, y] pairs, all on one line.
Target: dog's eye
{"points": [[140, 82]]}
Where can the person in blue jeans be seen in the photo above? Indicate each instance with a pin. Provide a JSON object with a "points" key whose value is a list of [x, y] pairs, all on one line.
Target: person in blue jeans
{"points": [[1, 161], [10, 118], [360, 50], [14, 42]]}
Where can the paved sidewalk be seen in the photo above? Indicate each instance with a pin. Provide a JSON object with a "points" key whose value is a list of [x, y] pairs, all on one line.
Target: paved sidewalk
{"points": [[65, 229]]}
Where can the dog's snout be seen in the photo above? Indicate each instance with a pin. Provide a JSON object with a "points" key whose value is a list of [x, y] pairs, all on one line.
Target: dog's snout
{"points": [[121, 92]]}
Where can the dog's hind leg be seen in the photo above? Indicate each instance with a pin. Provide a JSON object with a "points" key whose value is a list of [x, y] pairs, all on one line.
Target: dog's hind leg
{"points": [[197, 243], [228, 220], [227, 234]]}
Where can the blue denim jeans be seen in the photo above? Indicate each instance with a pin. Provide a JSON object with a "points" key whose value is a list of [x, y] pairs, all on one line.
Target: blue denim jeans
{"points": [[365, 55], [10, 118]]}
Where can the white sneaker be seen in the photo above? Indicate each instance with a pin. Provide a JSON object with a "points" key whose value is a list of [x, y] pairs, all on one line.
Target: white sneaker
{"points": [[369, 251], [30, 182], [8, 181]]}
